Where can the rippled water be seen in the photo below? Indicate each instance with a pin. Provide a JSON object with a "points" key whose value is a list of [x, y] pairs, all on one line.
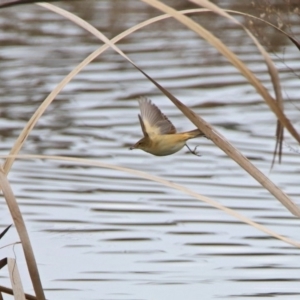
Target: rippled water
{"points": [[103, 234]]}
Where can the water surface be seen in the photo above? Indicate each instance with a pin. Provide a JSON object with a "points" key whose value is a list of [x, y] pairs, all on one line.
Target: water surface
{"points": [[103, 234]]}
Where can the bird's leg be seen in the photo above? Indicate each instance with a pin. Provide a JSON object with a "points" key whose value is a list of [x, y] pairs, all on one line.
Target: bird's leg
{"points": [[193, 151]]}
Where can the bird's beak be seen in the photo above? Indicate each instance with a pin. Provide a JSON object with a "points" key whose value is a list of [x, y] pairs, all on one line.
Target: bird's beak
{"points": [[132, 147]]}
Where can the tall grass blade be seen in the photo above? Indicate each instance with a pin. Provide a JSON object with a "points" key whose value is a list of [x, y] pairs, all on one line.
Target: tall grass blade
{"points": [[3, 262], [4, 231], [208, 130], [296, 42], [21, 229], [170, 184], [275, 191], [215, 42], [9, 291], [15, 279], [271, 68], [10, 3]]}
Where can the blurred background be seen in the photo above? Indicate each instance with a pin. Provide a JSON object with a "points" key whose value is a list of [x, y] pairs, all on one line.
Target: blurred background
{"points": [[102, 234]]}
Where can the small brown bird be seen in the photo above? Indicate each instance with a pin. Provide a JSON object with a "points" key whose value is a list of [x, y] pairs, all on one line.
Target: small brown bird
{"points": [[160, 137]]}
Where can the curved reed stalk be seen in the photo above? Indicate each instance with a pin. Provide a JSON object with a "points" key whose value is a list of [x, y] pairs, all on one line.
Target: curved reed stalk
{"points": [[200, 123], [9, 291], [39, 112], [217, 138], [21, 229], [216, 43], [271, 69], [141, 174]]}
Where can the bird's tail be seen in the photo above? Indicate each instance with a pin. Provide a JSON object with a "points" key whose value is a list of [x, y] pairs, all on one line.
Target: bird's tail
{"points": [[194, 133]]}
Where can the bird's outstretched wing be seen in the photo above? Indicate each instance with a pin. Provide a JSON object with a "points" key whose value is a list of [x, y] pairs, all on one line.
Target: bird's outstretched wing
{"points": [[153, 121]]}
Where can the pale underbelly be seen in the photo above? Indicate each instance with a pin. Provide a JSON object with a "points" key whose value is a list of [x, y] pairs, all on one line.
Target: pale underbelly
{"points": [[163, 149]]}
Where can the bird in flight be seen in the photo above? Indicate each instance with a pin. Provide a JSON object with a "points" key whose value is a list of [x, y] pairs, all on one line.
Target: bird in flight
{"points": [[160, 136]]}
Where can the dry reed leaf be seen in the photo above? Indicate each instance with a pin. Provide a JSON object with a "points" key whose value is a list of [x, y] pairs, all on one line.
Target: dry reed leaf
{"points": [[15, 279], [250, 223], [209, 131], [270, 101], [21, 229], [9, 291], [4, 231], [279, 127], [215, 42], [296, 42], [141, 174], [48, 100], [9, 245], [201, 124], [42, 108], [29, 126], [10, 3], [3, 262], [271, 69], [219, 140]]}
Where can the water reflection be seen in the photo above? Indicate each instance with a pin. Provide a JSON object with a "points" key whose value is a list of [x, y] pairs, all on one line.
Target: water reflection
{"points": [[102, 234]]}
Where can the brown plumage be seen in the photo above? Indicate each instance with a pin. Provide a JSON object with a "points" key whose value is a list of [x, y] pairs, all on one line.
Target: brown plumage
{"points": [[160, 136]]}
